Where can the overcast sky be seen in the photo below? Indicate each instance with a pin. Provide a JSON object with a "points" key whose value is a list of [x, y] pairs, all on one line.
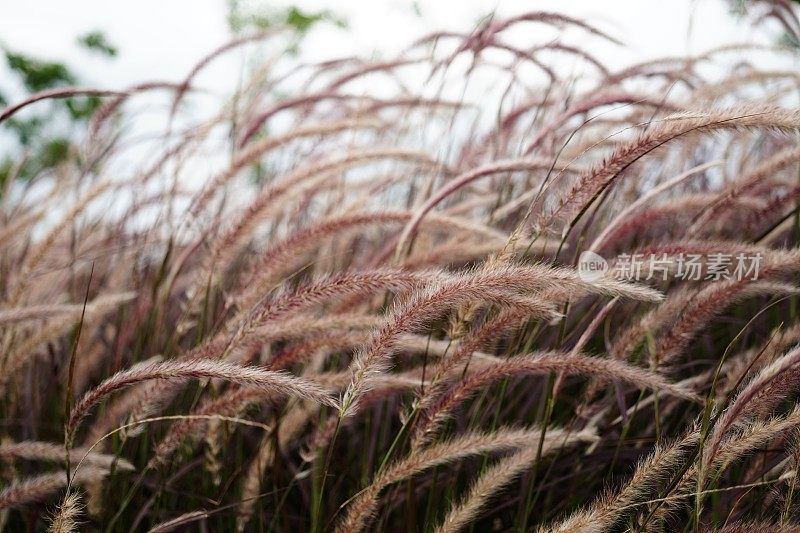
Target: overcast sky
{"points": [[162, 39]]}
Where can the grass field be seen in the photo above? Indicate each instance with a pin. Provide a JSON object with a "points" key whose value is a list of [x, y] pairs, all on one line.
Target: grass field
{"points": [[346, 303]]}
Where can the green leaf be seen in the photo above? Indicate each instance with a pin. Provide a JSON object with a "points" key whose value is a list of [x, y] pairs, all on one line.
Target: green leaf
{"points": [[5, 171], [26, 130], [302, 22], [82, 108], [96, 41], [38, 75], [293, 17], [52, 153]]}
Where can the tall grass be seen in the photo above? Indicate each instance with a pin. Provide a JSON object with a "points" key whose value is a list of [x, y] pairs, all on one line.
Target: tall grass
{"points": [[359, 307]]}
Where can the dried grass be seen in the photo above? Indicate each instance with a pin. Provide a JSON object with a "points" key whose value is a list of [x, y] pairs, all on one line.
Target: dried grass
{"points": [[338, 344]]}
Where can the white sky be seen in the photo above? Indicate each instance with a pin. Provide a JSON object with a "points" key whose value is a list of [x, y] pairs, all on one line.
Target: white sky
{"points": [[162, 39]]}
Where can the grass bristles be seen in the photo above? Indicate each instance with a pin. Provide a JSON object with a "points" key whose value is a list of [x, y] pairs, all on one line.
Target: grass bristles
{"points": [[177, 522], [326, 305], [46, 451], [545, 363], [500, 474], [646, 480], [363, 506], [38, 488], [66, 520], [271, 382]]}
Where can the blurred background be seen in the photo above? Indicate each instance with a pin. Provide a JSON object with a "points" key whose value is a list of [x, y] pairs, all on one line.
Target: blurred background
{"points": [[94, 43]]}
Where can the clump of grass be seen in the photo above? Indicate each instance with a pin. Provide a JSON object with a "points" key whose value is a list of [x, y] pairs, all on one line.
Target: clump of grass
{"points": [[340, 316]]}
